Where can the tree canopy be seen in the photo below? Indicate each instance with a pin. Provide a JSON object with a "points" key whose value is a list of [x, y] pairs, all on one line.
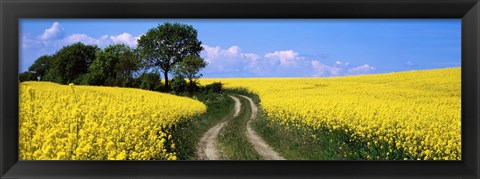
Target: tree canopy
{"points": [[114, 66], [71, 63], [41, 67], [166, 45], [190, 67]]}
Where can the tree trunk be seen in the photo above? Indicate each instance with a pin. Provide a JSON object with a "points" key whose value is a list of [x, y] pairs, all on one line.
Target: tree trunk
{"points": [[191, 85], [165, 75]]}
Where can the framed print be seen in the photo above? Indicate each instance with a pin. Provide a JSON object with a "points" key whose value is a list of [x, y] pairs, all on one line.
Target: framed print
{"points": [[281, 89]]}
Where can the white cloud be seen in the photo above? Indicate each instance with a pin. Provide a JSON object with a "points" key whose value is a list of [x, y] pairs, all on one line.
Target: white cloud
{"points": [[103, 41], [215, 53], [364, 69], [74, 38], [251, 56], [340, 63], [283, 55], [125, 38], [278, 63], [233, 51], [338, 69], [211, 53], [233, 61], [54, 37], [54, 32], [286, 57], [28, 42], [319, 69], [410, 64]]}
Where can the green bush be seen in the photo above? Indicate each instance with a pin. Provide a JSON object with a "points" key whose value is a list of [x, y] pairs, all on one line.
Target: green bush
{"points": [[179, 85], [149, 81], [215, 87], [27, 76]]}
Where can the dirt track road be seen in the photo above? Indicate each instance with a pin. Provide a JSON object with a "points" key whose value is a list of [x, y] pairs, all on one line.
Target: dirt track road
{"points": [[208, 147], [258, 143]]}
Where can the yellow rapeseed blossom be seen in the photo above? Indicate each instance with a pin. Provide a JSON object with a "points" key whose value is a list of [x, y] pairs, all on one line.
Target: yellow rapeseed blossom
{"points": [[417, 112], [60, 122]]}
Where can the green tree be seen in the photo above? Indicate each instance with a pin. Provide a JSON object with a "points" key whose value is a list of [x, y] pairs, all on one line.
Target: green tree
{"points": [[128, 63], [27, 76], [41, 66], [114, 66], [190, 67], [149, 81], [71, 63], [166, 45], [179, 85]]}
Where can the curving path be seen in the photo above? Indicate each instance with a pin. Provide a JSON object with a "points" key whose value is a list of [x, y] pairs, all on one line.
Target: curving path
{"points": [[258, 143], [207, 147]]}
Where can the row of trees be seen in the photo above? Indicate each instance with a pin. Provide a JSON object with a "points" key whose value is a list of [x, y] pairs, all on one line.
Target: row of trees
{"points": [[168, 48]]}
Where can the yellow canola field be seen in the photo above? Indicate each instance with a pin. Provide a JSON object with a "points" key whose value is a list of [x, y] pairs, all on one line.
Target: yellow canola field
{"points": [[68, 122], [417, 112]]}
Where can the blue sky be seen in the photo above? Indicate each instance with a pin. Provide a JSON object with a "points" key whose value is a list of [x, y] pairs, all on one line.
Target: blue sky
{"points": [[272, 48]]}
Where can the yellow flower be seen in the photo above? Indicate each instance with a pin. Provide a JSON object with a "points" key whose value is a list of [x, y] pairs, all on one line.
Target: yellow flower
{"points": [[410, 112], [98, 123]]}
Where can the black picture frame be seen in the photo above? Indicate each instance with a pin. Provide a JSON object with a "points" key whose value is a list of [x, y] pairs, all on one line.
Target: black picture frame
{"points": [[12, 11]]}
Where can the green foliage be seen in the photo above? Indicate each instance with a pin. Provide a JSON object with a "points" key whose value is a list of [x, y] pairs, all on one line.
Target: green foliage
{"points": [[179, 85], [41, 66], [52, 76], [82, 80], [70, 62], [215, 87], [114, 66], [149, 81], [167, 44], [190, 67], [27, 76]]}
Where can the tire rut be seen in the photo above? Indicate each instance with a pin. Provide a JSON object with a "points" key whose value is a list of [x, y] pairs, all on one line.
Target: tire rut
{"points": [[258, 143], [207, 146]]}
